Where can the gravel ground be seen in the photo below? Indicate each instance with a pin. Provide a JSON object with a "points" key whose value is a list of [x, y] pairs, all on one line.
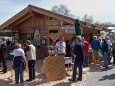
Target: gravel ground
{"points": [[7, 80]]}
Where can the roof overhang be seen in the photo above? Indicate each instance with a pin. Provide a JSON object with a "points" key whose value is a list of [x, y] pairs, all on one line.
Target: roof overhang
{"points": [[22, 16], [28, 10]]}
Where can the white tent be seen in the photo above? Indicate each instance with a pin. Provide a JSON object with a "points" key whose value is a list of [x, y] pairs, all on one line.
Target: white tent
{"points": [[111, 28]]}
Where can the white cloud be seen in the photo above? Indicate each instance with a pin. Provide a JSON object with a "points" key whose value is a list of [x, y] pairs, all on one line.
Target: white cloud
{"points": [[96, 8]]}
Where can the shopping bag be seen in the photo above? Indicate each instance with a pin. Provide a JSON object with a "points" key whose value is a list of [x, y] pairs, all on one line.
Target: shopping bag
{"points": [[100, 53]]}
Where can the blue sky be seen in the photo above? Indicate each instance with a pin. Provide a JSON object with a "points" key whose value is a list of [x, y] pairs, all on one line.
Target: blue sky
{"points": [[101, 10]]}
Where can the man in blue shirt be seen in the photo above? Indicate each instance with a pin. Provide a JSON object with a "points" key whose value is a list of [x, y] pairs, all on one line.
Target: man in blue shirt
{"points": [[96, 45]]}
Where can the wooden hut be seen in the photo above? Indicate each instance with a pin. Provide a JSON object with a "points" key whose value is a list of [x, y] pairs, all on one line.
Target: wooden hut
{"points": [[42, 26]]}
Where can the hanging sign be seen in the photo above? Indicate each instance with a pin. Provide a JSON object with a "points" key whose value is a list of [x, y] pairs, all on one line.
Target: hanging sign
{"points": [[54, 36], [37, 36], [43, 40]]}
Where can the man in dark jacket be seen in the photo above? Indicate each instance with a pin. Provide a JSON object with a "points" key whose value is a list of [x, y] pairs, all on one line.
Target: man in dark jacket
{"points": [[3, 55], [78, 60]]}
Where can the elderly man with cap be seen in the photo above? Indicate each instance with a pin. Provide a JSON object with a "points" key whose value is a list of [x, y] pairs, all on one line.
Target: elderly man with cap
{"points": [[78, 59]]}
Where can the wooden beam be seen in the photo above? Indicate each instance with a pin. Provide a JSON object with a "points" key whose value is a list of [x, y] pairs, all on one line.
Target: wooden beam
{"points": [[22, 20], [29, 7], [14, 18], [51, 14], [28, 31]]}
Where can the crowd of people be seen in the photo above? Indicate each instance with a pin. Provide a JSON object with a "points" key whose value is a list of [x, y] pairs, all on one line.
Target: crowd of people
{"points": [[22, 59], [77, 48], [102, 48]]}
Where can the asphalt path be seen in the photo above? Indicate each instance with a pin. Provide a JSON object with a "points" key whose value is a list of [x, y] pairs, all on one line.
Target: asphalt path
{"points": [[101, 77]]}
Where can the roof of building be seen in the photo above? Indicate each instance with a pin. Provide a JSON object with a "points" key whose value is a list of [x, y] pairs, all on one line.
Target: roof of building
{"points": [[30, 9]]}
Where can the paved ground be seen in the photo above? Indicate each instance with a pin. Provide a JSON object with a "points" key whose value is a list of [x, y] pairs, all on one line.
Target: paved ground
{"points": [[101, 76]]}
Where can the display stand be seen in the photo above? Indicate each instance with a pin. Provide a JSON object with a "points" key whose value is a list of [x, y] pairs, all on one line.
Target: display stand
{"points": [[54, 68]]}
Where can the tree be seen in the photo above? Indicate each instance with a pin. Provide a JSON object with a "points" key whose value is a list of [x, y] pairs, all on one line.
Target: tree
{"points": [[88, 18], [103, 25], [62, 9]]}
